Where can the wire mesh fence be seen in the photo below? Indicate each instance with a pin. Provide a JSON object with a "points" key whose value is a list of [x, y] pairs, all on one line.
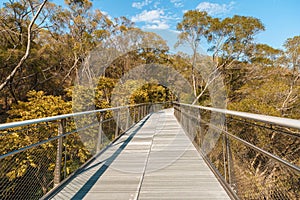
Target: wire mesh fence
{"points": [[254, 159], [37, 155]]}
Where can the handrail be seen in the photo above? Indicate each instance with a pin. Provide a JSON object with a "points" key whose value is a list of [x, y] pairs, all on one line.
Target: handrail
{"points": [[63, 150], [193, 123], [286, 122], [58, 117], [252, 160], [43, 142]]}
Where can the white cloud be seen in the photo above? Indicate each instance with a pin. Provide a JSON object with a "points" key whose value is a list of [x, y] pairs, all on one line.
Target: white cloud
{"points": [[153, 19], [177, 3], [158, 25], [148, 16], [140, 5], [215, 8]]}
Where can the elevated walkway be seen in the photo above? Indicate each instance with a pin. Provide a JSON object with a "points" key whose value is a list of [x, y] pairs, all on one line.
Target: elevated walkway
{"points": [[152, 160]]}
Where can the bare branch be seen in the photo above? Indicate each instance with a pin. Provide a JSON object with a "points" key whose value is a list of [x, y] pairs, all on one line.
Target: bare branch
{"points": [[288, 97], [23, 59], [72, 68], [206, 86]]}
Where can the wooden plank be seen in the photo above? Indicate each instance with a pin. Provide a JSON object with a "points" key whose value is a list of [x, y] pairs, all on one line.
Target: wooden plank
{"points": [[156, 162]]}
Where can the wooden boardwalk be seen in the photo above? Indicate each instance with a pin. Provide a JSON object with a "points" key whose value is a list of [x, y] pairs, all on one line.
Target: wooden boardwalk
{"points": [[153, 160]]}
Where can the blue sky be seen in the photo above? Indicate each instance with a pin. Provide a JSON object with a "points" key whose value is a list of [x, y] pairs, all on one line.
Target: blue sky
{"points": [[280, 17]]}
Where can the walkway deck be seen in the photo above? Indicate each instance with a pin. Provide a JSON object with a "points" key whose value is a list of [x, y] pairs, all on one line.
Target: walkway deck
{"points": [[153, 160]]}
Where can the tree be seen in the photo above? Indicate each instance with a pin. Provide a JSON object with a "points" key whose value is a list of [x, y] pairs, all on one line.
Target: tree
{"points": [[265, 55], [194, 26], [36, 164], [79, 29], [231, 39], [33, 17], [135, 47], [36, 70], [292, 46]]}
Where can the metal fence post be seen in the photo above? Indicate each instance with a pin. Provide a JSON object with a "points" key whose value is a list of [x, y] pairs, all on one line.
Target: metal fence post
{"points": [[142, 112], [57, 170], [139, 113], [148, 108], [229, 160], [189, 125], [224, 143], [183, 118], [99, 141], [127, 118], [117, 124], [200, 131], [133, 114]]}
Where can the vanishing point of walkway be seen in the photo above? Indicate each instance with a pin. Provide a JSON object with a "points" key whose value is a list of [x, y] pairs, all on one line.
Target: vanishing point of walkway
{"points": [[153, 160]]}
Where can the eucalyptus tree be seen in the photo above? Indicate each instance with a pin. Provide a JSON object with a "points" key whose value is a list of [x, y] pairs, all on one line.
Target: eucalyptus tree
{"points": [[232, 38], [78, 29], [292, 46], [194, 26], [266, 55], [21, 22]]}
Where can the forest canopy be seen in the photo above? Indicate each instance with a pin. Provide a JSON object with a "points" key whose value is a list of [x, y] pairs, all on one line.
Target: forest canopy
{"points": [[44, 46], [60, 59]]}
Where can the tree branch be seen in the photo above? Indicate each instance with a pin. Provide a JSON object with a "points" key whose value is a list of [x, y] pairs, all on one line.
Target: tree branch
{"points": [[23, 59], [206, 85], [76, 59], [291, 89]]}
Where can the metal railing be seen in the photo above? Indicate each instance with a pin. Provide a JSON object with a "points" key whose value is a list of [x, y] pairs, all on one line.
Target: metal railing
{"points": [[254, 156], [36, 155]]}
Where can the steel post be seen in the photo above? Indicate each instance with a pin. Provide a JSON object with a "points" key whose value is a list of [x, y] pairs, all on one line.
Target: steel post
{"points": [[57, 170], [127, 118], [117, 124], [99, 140]]}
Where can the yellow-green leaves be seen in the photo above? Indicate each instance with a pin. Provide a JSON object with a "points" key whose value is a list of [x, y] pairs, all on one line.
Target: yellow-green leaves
{"points": [[39, 105]]}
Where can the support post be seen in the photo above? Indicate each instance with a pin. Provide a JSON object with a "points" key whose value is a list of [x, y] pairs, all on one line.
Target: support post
{"points": [[134, 115], [57, 170], [189, 125], [225, 157], [147, 109], [229, 160], [139, 113], [99, 140], [142, 112], [127, 118], [117, 124], [200, 130]]}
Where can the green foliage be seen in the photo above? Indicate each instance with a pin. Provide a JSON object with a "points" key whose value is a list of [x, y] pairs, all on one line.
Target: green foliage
{"points": [[265, 55], [39, 105], [265, 91], [103, 92], [151, 92], [292, 46], [37, 163], [194, 25], [258, 78]]}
